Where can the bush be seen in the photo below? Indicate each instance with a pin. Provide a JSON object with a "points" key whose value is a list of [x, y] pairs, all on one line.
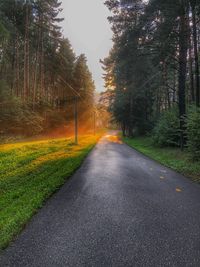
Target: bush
{"points": [[167, 130], [193, 132]]}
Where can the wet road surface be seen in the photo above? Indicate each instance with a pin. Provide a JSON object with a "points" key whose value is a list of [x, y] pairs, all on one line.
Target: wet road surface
{"points": [[119, 209]]}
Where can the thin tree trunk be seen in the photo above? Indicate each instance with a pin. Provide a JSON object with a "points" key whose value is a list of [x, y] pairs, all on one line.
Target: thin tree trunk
{"points": [[26, 56], [13, 68], [196, 59], [17, 74], [42, 91], [36, 65], [131, 116], [182, 72], [174, 85], [192, 93]]}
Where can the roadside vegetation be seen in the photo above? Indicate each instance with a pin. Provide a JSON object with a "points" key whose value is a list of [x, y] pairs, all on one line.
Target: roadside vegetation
{"points": [[30, 173], [40, 74], [169, 156], [152, 77]]}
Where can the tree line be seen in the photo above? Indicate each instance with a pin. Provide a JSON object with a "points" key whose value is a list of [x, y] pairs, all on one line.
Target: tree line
{"points": [[39, 71], [153, 68]]}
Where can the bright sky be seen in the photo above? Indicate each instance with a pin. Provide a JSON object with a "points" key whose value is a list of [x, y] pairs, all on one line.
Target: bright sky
{"points": [[89, 32]]}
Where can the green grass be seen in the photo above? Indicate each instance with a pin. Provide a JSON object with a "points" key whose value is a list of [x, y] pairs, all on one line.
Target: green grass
{"points": [[170, 157], [30, 173]]}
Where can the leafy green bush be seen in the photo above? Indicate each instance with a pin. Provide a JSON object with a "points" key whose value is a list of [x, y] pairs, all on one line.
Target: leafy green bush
{"points": [[167, 130], [193, 132]]}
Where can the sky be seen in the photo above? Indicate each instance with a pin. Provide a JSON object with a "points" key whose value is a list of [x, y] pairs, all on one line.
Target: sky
{"points": [[89, 32]]}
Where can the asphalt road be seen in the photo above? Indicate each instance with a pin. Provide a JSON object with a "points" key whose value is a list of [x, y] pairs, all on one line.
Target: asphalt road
{"points": [[119, 209]]}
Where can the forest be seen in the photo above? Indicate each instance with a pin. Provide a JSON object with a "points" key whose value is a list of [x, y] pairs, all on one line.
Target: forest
{"points": [[99, 133], [40, 74], [152, 72]]}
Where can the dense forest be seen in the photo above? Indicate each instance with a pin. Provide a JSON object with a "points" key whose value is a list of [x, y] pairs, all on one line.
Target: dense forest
{"points": [[40, 75], [152, 72]]}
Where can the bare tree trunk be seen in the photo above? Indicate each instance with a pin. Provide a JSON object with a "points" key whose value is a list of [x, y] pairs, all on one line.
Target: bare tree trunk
{"points": [[183, 46], [17, 74], [26, 56], [36, 65], [174, 85], [42, 91], [167, 92], [196, 59], [131, 116], [192, 97], [13, 68], [123, 126]]}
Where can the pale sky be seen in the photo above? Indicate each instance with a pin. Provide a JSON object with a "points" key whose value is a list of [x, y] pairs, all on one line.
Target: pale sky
{"points": [[89, 32]]}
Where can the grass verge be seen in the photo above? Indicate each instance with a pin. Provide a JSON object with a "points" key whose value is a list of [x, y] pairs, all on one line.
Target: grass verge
{"points": [[170, 157], [30, 173]]}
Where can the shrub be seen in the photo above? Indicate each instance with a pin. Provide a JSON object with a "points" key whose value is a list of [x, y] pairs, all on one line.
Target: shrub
{"points": [[167, 130], [193, 132]]}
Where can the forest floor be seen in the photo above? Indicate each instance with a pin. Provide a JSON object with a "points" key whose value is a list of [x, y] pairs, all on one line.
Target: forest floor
{"points": [[170, 157], [30, 173]]}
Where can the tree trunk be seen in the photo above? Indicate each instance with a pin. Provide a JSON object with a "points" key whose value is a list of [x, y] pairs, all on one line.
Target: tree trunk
{"points": [[131, 116], [183, 46], [196, 59], [17, 71], [192, 93], [123, 129], [42, 91], [26, 56], [35, 82]]}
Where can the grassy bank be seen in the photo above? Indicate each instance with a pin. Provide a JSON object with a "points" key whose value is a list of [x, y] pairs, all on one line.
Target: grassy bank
{"points": [[30, 173], [170, 157]]}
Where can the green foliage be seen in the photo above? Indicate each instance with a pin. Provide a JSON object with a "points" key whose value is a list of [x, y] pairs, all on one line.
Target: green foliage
{"points": [[133, 65], [83, 81], [143, 67], [40, 72], [167, 130], [3, 32], [193, 132]]}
